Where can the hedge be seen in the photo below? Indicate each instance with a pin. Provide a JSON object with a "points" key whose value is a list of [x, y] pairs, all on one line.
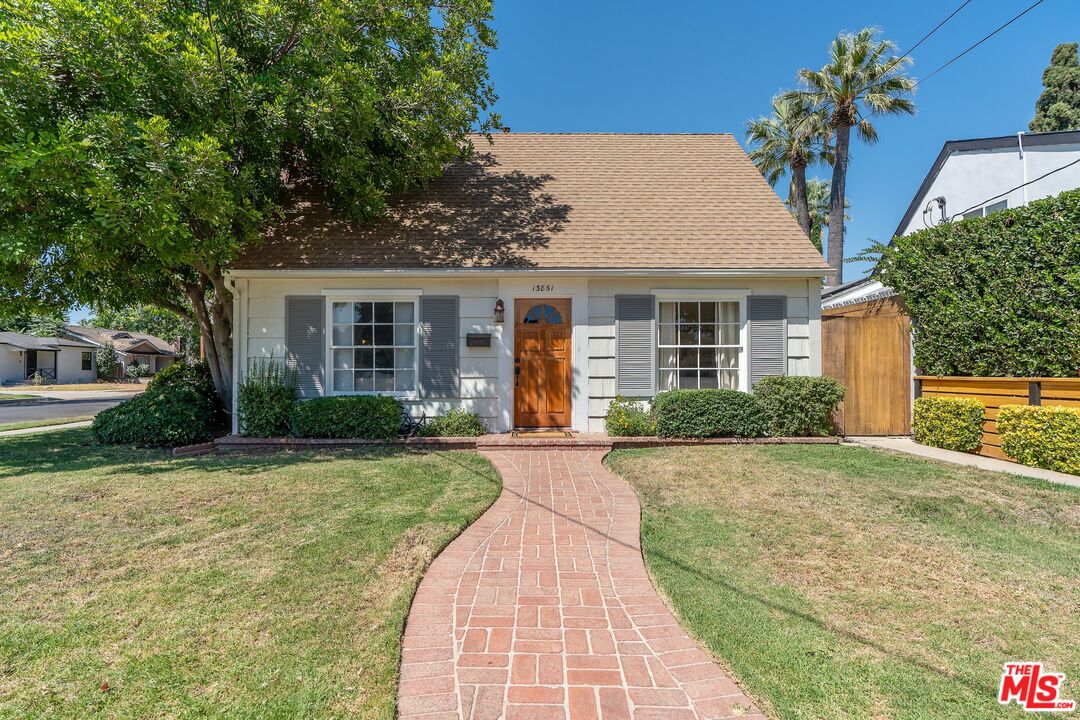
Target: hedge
{"points": [[708, 413], [994, 296], [370, 417], [797, 406], [265, 399], [949, 423], [1041, 436], [455, 423], [626, 418]]}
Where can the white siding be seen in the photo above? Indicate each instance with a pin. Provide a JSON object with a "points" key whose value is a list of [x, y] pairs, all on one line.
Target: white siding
{"points": [[11, 364], [69, 366]]}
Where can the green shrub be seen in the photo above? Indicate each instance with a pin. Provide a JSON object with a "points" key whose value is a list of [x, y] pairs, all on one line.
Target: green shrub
{"points": [[265, 399], [178, 407], [626, 418], [708, 413], [371, 417], [1046, 437], [798, 406], [455, 423], [994, 296], [949, 423], [108, 362]]}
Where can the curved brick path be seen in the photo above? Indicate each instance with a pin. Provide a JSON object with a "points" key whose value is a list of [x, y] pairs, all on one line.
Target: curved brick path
{"points": [[543, 609]]}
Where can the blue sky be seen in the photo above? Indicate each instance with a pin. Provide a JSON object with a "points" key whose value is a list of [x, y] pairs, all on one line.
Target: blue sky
{"points": [[692, 66]]}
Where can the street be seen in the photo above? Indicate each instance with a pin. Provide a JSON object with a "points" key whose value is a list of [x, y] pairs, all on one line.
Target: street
{"points": [[51, 405]]}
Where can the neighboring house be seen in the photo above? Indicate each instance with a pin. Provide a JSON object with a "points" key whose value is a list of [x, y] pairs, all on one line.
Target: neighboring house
{"points": [[131, 347], [61, 360], [540, 279]]}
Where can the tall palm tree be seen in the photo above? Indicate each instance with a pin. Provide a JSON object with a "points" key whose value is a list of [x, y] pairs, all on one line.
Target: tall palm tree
{"points": [[794, 137], [862, 79], [817, 200]]}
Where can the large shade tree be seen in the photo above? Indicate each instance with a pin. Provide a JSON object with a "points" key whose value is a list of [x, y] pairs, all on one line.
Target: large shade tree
{"points": [[792, 138], [144, 143], [863, 79], [1058, 107]]}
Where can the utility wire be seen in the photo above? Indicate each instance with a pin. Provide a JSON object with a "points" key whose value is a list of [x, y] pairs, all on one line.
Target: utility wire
{"points": [[980, 42], [1018, 187], [936, 28]]}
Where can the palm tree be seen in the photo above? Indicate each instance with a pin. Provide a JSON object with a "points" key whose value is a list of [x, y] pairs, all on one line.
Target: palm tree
{"points": [[817, 200], [862, 79], [794, 137]]}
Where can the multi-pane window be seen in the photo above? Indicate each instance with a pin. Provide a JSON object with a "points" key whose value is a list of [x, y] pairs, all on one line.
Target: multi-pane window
{"points": [[699, 344], [87, 361], [373, 345], [986, 210]]}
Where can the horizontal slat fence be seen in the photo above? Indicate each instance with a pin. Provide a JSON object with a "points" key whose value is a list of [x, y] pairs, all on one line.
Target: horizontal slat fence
{"points": [[995, 392]]}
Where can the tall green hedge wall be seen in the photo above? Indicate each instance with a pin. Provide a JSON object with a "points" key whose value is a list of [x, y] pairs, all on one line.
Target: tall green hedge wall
{"points": [[994, 296]]}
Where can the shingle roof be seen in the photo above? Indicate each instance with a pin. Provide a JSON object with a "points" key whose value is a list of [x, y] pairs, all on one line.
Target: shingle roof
{"points": [[33, 342], [573, 201], [100, 336]]}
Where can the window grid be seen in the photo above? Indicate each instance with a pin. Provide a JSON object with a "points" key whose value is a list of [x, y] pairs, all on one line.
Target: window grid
{"points": [[373, 346], [700, 344]]}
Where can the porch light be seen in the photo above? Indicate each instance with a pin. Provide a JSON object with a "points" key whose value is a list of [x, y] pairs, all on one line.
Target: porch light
{"points": [[500, 311]]}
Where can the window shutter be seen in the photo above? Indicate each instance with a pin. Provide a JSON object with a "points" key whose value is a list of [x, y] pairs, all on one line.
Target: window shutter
{"points": [[768, 336], [635, 345], [440, 376], [305, 349]]}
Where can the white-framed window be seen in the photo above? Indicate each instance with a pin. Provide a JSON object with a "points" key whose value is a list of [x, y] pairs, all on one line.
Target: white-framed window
{"points": [[701, 343], [372, 345], [987, 209]]}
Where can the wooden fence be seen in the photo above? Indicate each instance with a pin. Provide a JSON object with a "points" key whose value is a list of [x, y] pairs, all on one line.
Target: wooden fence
{"points": [[995, 392]]}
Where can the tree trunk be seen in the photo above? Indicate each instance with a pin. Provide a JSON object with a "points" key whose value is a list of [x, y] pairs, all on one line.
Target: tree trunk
{"points": [[213, 314], [802, 206], [835, 255]]}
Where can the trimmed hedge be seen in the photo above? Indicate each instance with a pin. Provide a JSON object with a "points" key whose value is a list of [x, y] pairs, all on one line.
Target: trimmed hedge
{"points": [[708, 413], [370, 417], [178, 407], [798, 406], [1041, 436], [455, 423], [996, 296], [626, 418], [949, 423]]}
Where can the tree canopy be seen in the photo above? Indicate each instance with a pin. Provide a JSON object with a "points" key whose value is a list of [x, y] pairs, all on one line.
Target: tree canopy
{"points": [[144, 143], [1058, 107]]}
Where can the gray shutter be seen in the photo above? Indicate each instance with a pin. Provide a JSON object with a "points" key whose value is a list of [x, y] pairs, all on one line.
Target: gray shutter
{"points": [[440, 376], [768, 336], [305, 348], [635, 345]]}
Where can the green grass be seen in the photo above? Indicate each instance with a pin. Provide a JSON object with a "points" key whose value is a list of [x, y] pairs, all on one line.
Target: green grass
{"points": [[25, 424], [251, 586], [841, 582], [12, 397]]}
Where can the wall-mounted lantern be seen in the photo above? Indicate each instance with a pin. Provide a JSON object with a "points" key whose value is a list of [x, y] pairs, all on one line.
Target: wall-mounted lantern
{"points": [[500, 311]]}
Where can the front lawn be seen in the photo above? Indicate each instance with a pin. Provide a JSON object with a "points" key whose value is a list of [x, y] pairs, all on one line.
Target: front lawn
{"points": [[15, 397], [841, 582], [134, 585]]}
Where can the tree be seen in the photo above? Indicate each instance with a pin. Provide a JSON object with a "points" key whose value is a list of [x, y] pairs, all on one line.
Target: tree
{"points": [[1058, 107], [49, 323], [862, 79], [794, 137], [817, 199], [164, 324], [146, 143], [108, 362]]}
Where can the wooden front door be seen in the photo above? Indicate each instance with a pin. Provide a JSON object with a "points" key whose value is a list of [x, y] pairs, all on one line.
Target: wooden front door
{"points": [[542, 333]]}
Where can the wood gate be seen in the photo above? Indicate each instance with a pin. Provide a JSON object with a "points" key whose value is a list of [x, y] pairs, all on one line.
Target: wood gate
{"points": [[867, 347]]}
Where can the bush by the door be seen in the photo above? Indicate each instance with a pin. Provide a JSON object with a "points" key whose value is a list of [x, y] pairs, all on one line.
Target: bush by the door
{"points": [[369, 417], [626, 418], [708, 413], [949, 423], [265, 399], [798, 406], [1041, 436], [455, 423]]}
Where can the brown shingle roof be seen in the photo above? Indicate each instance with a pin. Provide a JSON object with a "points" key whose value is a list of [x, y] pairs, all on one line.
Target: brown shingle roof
{"points": [[122, 340], [571, 201]]}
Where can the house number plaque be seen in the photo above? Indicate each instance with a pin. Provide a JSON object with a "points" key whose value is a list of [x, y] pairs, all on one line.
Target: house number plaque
{"points": [[543, 287]]}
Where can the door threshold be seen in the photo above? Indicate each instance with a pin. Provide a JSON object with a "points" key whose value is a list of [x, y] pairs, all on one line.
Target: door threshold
{"points": [[541, 432]]}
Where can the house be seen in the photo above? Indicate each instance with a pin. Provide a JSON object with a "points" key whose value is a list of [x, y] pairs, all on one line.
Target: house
{"points": [[538, 280], [147, 350], [54, 359]]}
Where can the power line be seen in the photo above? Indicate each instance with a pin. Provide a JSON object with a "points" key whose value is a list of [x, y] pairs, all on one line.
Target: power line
{"points": [[1018, 187], [980, 42], [936, 28]]}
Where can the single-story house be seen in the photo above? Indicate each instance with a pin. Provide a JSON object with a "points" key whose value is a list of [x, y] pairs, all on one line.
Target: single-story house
{"points": [[131, 347], [55, 359], [539, 279]]}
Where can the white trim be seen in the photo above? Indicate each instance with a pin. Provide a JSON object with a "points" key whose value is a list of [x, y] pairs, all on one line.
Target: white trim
{"points": [[530, 272], [328, 332], [738, 296], [402, 294], [691, 294]]}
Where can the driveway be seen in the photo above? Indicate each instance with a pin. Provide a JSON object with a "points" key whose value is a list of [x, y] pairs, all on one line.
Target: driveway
{"points": [[56, 404]]}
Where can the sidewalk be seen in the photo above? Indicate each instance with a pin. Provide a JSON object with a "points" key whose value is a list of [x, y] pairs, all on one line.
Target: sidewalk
{"points": [[909, 446], [45, 428]]}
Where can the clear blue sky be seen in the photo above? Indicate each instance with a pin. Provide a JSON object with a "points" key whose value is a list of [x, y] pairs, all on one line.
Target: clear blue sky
{"points": [[696, 66]]}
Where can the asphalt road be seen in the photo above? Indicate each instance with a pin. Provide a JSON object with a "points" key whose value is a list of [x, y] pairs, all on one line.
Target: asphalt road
{"points": [[49, 409]]}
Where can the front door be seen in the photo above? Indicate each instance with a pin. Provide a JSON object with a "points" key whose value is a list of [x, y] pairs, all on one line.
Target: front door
{"points": [[31, 362], [542, 335]]}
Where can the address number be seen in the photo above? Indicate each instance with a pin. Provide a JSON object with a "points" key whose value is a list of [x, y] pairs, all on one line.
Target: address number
{"points": [[543, 288]]}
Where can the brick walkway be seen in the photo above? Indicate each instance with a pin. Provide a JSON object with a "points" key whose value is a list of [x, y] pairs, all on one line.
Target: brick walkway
{"points": [[542, 609]]}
